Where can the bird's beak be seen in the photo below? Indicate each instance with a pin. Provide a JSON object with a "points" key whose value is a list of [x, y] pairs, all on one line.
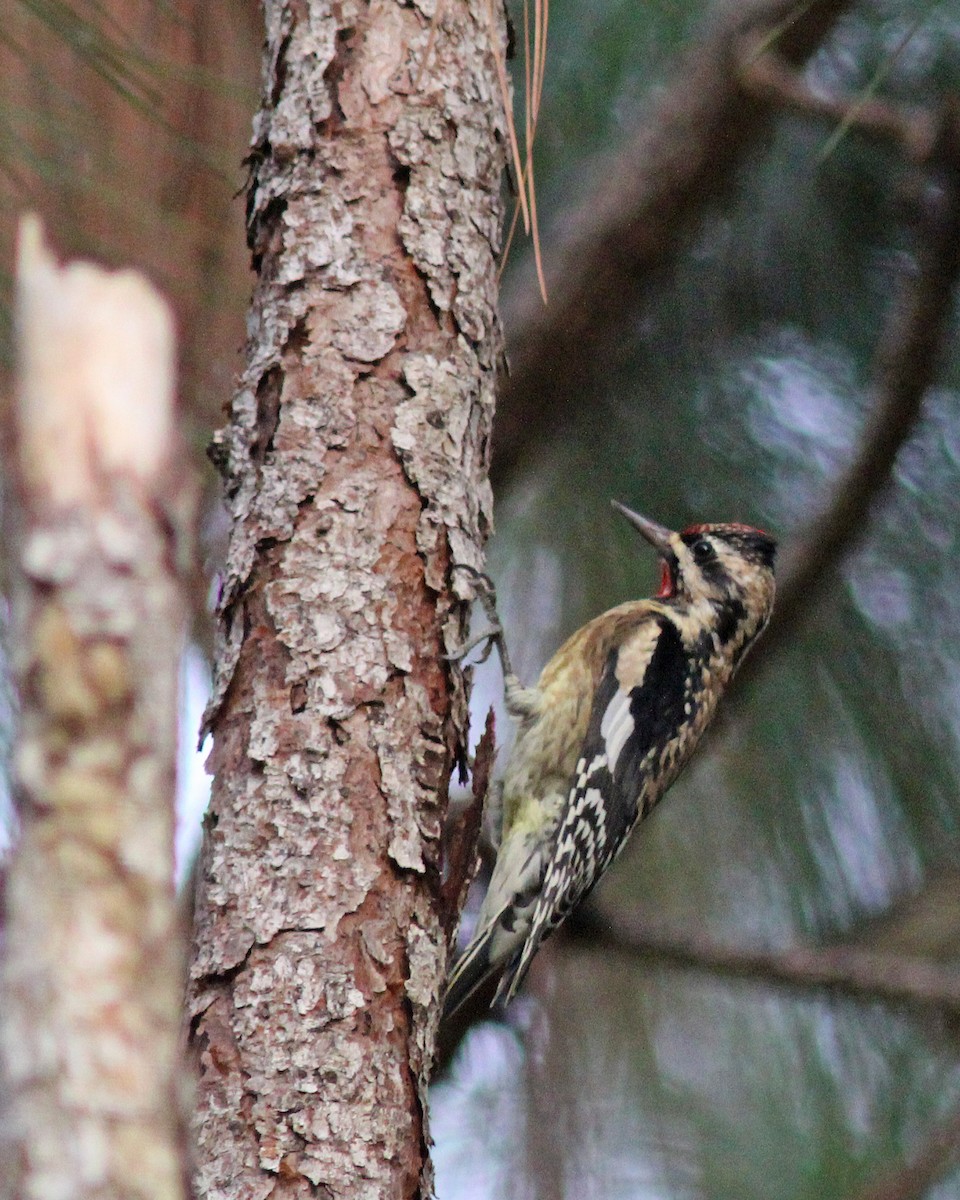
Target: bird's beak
{"points": [[657, 535]]}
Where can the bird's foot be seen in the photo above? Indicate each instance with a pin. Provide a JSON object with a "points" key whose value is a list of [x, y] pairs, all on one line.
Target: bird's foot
{"points": [[486, 593]]}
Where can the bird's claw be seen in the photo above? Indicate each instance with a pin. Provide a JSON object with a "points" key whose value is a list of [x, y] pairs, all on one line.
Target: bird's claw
{"points": [[487, 596], [490, 636]]}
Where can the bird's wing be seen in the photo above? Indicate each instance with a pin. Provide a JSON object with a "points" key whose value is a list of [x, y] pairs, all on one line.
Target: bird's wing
{"points": [[638, 707]]}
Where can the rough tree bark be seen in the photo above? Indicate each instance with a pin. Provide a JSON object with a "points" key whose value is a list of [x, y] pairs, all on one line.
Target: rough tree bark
{"points": [[93, 962], [355, 466]]}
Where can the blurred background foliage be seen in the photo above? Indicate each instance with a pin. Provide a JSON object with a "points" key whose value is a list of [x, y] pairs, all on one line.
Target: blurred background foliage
{"points": [[124, 123], [738, 387]]}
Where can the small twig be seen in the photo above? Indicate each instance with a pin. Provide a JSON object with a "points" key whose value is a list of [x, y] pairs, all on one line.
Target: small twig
{"points": [[846, 969], [463, 860], [938, 1154], [770, 78]]}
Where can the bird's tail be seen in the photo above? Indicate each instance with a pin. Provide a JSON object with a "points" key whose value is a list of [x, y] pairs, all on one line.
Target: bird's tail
{"points": [[474, 967], [503, 925]]}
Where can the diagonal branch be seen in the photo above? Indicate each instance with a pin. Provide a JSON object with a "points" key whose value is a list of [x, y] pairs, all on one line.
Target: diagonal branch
{"points": [[765, 74], [847, 969], [905, 366], [684, 156], [843, 969]]}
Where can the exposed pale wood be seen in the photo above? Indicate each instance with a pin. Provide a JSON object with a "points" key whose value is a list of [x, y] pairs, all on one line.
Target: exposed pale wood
{"points": [[92, 969]]}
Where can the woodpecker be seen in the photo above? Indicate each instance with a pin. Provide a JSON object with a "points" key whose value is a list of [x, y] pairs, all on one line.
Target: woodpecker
{"points": [[613, 719]]}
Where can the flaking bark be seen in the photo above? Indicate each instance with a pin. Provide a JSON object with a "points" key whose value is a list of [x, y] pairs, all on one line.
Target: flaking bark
{"points": [[93, 967], [355, 466]]}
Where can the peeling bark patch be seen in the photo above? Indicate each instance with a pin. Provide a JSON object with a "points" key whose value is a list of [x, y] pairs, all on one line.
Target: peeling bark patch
{"points": [[320, 943], [441, 435], [332, 76], [317, 236], [370, 320], [262, 228], [279, 72], [268, 414], [453, 242]]}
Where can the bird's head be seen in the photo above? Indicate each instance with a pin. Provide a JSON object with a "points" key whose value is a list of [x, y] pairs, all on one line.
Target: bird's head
{"points": [[727, 566]]}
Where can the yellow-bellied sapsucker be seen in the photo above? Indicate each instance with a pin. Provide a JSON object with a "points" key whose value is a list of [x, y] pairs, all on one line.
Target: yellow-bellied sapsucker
{"points": [[614, 717]]}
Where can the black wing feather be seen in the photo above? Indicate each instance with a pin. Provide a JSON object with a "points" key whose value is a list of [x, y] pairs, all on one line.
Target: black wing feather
{"points": [[605, 804]]}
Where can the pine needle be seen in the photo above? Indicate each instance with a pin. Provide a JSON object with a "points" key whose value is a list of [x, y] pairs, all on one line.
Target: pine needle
{"points": [[869, 91], [501, 66], [534, 72]]}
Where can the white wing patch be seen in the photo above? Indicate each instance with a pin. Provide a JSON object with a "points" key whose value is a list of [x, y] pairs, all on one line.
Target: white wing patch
{"points": [[633, 660], [616, 726]]}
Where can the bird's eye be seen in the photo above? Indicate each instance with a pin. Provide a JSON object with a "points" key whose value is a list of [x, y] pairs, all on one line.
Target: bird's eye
{"points": [[702, 551]]}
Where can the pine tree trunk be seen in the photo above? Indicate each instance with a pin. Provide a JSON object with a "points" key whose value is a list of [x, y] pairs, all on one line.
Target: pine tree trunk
{"points": [[355, 466]]}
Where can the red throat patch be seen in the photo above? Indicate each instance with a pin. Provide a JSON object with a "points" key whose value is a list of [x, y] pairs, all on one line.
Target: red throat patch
{"points": [[666, 581]]}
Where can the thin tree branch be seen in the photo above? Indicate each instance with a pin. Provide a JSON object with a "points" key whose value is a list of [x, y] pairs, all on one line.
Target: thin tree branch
{"points": [[905, 367], [935, 1158], [684, 156], [766, 74], [846, 970]]}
